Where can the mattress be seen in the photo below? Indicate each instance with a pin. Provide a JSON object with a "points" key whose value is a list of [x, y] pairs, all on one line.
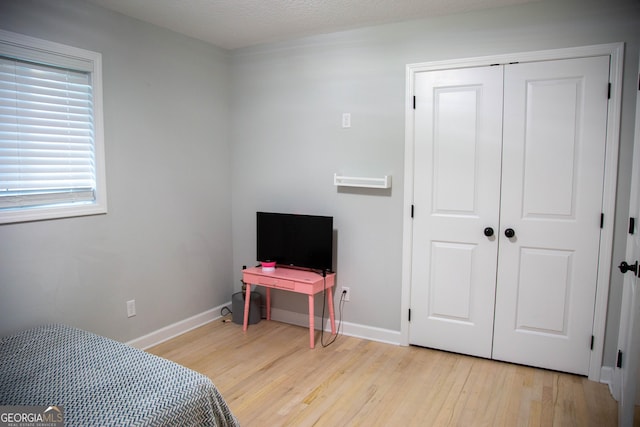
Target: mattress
{"points": [[99, 381]]}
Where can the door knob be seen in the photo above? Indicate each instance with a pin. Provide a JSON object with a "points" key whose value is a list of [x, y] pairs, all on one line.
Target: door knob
{"points": [[509, 232], [488, 231], [624, 267]]}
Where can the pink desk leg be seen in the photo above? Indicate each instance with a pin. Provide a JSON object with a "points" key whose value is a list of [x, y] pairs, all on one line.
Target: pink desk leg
{"points": [[268, 303], [247, 299], [311, 323], [331, 313]]}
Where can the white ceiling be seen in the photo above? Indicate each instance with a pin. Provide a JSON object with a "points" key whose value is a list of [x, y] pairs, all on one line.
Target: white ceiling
{"points": [[232, 24]]}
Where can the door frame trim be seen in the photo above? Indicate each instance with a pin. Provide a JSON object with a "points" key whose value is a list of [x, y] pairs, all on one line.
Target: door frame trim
{"points": [[626, 329], [616, 53]]}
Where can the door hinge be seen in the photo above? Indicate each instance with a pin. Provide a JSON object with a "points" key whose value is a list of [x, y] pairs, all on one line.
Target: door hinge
{"points": [[414, 102], [632, 225], [602, 220], [592, 339], [412, 211], [409, 315], [619, 359], [609, 91]]}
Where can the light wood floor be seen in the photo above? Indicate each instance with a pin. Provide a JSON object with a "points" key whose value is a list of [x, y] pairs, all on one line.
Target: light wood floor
{"points": [[270, 377]]}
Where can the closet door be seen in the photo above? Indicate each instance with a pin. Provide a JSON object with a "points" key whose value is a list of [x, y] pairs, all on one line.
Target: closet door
{"points": [[457, 139], [555, 118]]}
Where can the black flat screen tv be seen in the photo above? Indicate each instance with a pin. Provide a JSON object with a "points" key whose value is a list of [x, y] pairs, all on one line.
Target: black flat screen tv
{"points": [[303, 241]]}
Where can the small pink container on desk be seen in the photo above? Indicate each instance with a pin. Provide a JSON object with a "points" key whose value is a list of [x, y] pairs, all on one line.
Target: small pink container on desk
{"points": [[268, 266]]}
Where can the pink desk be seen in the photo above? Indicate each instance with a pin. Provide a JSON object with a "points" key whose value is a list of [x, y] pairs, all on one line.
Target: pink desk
{"points": [[292, 280]]}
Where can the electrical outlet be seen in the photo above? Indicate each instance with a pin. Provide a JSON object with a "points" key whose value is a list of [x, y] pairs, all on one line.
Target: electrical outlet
{"points": [[131, 308], [346, 120], [345, 293]]}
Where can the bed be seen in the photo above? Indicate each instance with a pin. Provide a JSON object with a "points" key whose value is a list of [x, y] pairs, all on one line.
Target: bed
{"points": [[99, 381]]}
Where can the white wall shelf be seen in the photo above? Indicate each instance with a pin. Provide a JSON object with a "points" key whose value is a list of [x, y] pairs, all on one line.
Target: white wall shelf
{"points": [[353, 181]]}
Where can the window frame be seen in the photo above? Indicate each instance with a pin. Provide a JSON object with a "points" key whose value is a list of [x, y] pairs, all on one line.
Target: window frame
{"points": [[26, 48]]}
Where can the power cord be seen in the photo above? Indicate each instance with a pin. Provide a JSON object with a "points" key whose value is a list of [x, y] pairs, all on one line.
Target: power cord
{"points": [[225, 311], [340, 306]]}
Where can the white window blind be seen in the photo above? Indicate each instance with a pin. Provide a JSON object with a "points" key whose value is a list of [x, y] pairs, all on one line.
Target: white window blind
{"points": [[51, 139], [46, 135]]}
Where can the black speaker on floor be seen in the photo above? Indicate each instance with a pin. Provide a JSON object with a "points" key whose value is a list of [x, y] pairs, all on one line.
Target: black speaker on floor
{"points": [[237, 306]]}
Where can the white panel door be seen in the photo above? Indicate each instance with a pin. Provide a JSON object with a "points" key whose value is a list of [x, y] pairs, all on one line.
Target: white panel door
{"points": [[457, 195], [555, 116]]}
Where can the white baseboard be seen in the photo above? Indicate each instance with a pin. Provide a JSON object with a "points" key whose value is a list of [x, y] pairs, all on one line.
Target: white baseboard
{"points": [[613, 378], [608, 377], [299, 319], [350, 329], [178, 328]]}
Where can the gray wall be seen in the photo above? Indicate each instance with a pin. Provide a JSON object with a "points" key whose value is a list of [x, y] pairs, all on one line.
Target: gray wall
{"points": [[287, 139], [166, 240]]}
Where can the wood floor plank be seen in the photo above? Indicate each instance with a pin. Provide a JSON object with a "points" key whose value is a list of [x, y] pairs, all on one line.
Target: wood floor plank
{"points": [[269, 376]]}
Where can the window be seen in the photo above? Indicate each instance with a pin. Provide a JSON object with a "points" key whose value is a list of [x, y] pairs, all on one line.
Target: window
{"points": [[51, 138]]}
